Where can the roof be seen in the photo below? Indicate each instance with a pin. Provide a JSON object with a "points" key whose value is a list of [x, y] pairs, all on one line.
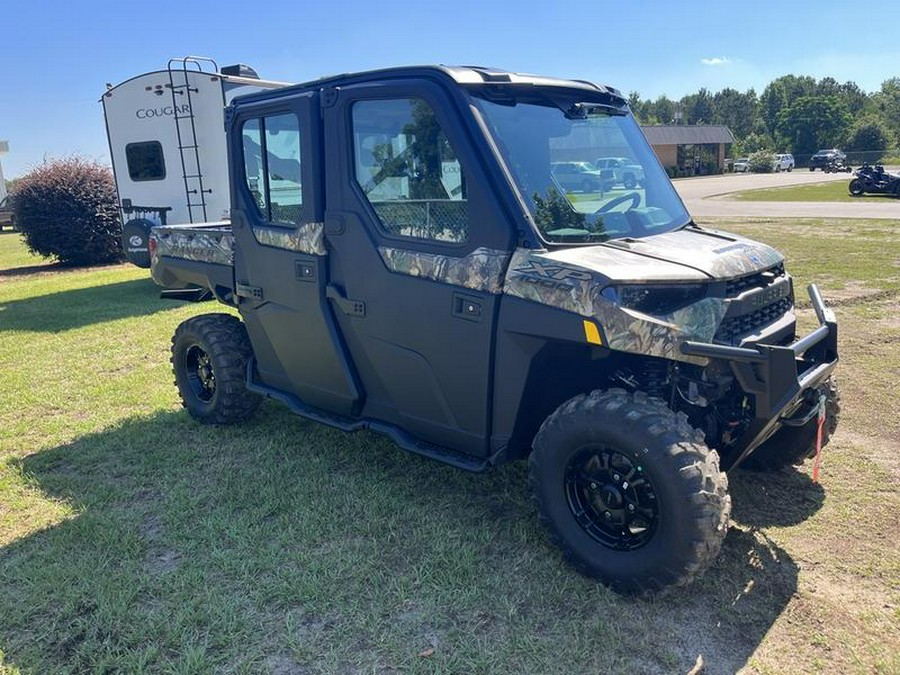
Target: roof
{"points": [[678, 134], [461, 75]]}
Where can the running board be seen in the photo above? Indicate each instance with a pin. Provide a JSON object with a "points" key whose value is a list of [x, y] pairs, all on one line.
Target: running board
{"points": [[396, 434]]}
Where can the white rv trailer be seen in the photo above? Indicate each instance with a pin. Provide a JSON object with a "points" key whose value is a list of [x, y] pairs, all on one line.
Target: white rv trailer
{"points": [[166, 133]]}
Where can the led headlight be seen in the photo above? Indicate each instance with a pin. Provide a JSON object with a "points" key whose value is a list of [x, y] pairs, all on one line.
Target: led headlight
{"points": [[655, 299]]}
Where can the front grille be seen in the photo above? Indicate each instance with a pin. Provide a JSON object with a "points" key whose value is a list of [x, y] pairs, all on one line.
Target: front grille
{"points": [[762, 279], [732, 329]]}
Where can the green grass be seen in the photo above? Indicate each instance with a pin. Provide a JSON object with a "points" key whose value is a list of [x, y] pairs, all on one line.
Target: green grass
{"points": [[135, 540], [832, 191], [14, 255]]}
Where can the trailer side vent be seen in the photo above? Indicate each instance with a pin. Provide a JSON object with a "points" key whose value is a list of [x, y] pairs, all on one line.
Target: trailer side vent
{"points": [[240, 70]]}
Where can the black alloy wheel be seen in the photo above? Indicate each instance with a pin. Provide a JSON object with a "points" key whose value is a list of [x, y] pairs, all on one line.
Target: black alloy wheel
{"points": [[200, 374], [611, 498]]}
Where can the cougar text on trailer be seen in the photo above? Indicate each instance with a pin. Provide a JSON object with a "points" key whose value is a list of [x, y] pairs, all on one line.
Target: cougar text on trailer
{"points": [[166, 133]]}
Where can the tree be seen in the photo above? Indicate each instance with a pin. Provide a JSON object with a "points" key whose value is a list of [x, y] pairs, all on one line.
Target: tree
{"points": [[639, 108], [813, 122], [663, 109], [698, 108], [870, 137], [852, 96], [782, 92], [735, 110], [887, 104]]}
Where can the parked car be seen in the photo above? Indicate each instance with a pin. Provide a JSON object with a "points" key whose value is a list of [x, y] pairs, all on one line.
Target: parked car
{"points": [[7, 217], [575, 176], [783, 162], [829, 160], [622, 169], [742, 165]]}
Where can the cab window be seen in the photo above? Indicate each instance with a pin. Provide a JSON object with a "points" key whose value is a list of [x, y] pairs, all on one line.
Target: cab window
{"points": [[271, 149], [408, 170]]}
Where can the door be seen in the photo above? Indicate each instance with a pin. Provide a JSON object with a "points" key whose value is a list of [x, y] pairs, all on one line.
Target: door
{"points": [[280, 259], [417, 252]]}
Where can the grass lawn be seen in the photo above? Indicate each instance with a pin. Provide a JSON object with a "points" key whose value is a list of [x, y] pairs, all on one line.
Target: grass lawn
{"points": [[832, 191], [135, 540]]}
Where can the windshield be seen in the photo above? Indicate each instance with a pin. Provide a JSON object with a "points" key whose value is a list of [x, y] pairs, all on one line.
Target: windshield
{"points": [[587, 174]]}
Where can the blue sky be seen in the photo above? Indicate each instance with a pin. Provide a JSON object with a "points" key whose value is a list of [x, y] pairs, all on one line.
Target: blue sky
{"points": [[58, 56]]}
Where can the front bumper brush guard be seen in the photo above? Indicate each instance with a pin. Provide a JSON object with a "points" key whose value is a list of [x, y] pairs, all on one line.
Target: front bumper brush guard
{"points": [[780, 378]]}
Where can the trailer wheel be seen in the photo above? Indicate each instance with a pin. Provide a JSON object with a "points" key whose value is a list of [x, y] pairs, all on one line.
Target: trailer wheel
{"points": [[629, 491], [793, 445], [209, 357]]}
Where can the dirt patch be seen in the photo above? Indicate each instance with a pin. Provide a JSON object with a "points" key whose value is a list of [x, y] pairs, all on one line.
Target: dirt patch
{"points": [[162, 560], [854, 293], [280, 664]]}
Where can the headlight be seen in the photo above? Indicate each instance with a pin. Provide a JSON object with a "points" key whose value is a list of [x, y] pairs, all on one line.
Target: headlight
{"points": [[653, 299]]}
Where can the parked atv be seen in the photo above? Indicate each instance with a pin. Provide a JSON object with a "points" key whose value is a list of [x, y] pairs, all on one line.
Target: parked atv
{"points": [[837, 165], [829, 161], [874, 180]]}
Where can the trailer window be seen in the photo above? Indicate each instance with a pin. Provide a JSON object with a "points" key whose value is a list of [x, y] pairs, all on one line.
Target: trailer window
{"points": [[145, 161], [408, 170], [272, 166]]}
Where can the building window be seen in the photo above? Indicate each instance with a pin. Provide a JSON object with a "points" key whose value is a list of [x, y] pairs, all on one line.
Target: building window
{"points": [[408, 170], [145, 161]]}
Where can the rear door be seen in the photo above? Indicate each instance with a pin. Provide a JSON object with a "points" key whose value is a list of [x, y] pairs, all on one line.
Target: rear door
{"points": [[417, 252], [280, 259]]}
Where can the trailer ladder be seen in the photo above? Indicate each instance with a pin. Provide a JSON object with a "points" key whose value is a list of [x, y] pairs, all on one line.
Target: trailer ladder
{"points": [[186, 131]]}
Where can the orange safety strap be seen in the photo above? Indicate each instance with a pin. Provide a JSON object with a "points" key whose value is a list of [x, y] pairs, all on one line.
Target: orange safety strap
{"points": [[820, 427]]}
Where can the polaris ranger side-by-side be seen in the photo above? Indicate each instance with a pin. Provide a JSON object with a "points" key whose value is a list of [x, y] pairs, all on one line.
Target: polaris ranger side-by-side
{"points": [[404, 260]]}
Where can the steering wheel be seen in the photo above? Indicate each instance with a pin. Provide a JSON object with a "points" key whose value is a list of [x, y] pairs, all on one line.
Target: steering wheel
{"points": [[613, 203]]}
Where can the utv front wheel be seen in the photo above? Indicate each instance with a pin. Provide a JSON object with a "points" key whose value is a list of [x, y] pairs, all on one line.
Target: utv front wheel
{"points": [[209, 356], [629, 491]]}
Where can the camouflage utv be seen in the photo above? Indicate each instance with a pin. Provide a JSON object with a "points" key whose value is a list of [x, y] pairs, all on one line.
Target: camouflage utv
{"points": [[428, 278]]}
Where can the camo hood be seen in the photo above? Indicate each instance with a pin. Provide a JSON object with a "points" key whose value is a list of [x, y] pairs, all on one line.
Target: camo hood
{"points": [[573, 280], [683, 255]]}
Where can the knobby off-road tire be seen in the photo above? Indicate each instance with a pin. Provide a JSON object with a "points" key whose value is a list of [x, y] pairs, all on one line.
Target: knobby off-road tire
{"points": [[615, 458], [793, 445], [209, 356]]}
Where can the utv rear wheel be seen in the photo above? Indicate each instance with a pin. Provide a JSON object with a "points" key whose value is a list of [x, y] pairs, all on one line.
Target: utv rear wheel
{"points": [[794, 445], [209, 356], [628, 491]]}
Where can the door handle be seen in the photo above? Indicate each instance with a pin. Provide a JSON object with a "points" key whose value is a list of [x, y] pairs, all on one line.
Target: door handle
{"points": [[467, 307]]}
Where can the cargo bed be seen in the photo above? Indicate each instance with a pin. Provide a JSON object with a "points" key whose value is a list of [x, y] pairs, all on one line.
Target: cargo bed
{"points": [[197, 256]]}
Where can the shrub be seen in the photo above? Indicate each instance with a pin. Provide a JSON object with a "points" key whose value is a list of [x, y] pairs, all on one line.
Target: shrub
{"points": [[67, 208], [761, 161]]}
